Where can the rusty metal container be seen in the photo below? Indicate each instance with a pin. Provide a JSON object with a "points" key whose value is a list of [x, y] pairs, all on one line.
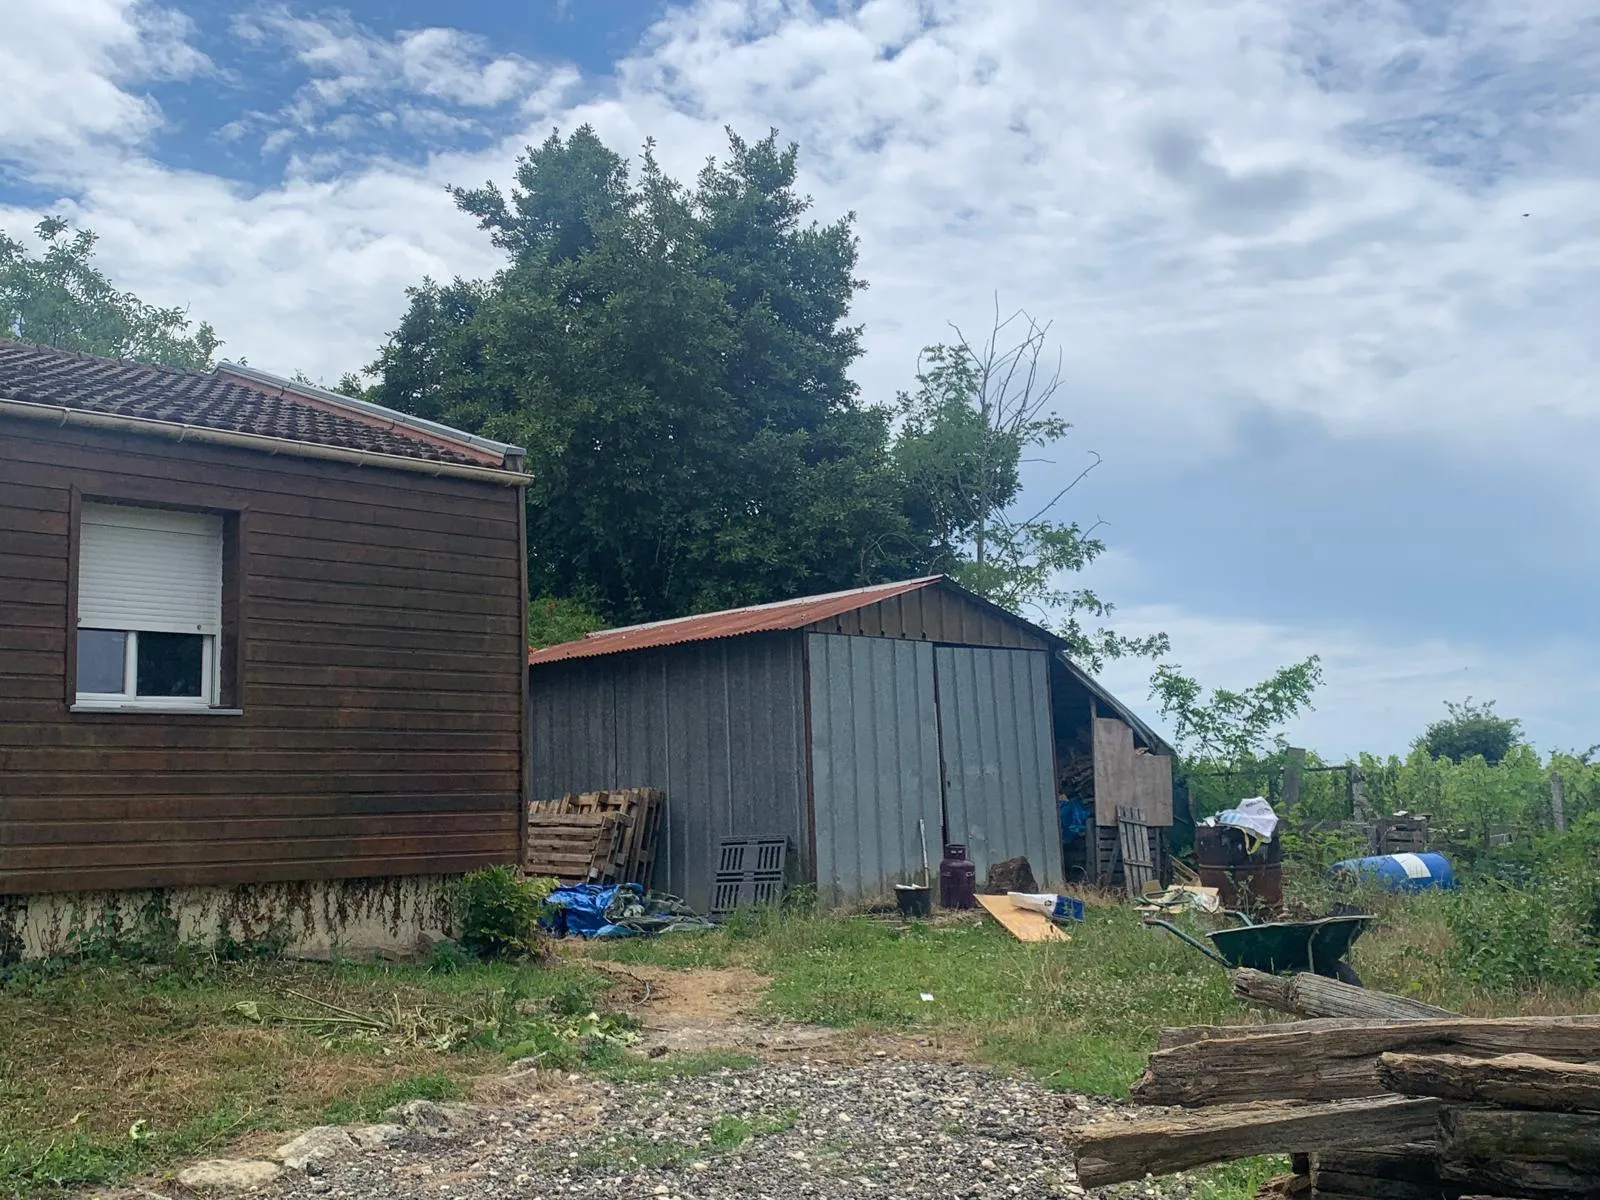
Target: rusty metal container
{"points": [[1245, 880]]}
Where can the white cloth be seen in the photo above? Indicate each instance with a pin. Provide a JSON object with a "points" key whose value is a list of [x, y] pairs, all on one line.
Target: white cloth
{"points": [[1254, 814]]}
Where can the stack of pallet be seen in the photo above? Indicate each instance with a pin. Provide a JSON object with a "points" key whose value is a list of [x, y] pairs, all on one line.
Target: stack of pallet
{"points": [[1435, 1109], [596, 837]]}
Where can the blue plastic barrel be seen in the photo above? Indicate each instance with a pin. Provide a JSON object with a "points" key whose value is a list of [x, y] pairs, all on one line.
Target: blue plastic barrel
{"points": [[1400, 872]]}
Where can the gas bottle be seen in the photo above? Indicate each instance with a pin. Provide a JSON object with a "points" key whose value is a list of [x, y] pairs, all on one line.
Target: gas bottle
{"points": [[958, 878]]}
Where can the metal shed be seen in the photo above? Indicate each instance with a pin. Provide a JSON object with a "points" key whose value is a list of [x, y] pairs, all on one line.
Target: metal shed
{"points": [[835, 721]]}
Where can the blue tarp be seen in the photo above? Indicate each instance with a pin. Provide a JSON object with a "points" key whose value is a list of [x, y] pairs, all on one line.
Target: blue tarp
{"points": [[591, 910], [1074, 818]]}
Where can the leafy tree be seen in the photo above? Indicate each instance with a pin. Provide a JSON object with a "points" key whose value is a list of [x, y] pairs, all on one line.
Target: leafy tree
{"points": [[675, 361], [1234, 727], [1471, 730], [61, 299], [977, 414]]}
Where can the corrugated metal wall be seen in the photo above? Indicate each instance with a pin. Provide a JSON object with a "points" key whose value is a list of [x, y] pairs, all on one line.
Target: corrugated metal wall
{"points": [[875, 762], [719, 726], [999, 756]]}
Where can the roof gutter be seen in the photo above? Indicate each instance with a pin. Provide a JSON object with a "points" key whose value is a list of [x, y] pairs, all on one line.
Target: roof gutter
{"points": [[59, 415]]}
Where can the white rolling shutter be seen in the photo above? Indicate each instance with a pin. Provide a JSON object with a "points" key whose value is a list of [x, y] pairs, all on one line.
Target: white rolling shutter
{"points": [[149, 569]]}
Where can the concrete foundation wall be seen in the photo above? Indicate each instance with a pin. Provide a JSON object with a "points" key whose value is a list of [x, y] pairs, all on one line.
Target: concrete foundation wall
{"points": [[345, 916]]}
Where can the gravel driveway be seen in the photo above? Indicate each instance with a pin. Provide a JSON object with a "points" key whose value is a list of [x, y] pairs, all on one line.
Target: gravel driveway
{"points": [[884, 1128]]}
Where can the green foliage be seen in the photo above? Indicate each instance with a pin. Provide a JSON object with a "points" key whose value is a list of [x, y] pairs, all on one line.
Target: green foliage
{"points": [[1512, 939], [498, 911], [59, 298], [552, 620], [977, 413], [1471, 731], [1228, 726], [675, 360]]}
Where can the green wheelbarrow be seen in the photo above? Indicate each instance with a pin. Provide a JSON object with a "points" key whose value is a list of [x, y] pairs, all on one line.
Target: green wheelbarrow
{"points": [[1283, 947]]}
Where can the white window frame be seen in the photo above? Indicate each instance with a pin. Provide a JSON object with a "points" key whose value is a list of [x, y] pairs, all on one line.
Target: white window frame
{"points": [[129, 697]]}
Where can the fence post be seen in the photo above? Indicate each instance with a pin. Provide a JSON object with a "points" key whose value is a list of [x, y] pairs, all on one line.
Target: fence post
{"points": [[1558, 801], [1294, 764]]}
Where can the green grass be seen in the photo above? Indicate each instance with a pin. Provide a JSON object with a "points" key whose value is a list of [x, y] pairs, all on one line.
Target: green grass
{"points": [[114, 1069]]}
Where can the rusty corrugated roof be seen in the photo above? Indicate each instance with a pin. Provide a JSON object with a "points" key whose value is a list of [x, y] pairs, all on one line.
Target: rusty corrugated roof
{"points": [[758, 618]]}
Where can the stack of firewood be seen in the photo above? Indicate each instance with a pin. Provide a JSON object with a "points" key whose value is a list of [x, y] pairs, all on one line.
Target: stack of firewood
{"points": [[1416, 1108], [596, 837]]}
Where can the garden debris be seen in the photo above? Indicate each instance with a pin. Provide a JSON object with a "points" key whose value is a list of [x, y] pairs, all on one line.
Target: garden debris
{"points": [[1384, 1108], [1254, 816], [614, 911], [1182, 897], [1023, 924]]}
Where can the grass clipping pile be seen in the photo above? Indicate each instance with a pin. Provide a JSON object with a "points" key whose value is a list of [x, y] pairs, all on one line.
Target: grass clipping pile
{"points": [[1439, 1108]]}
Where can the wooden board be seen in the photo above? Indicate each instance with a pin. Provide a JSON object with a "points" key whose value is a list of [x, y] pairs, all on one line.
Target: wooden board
{"points": [[1021, 923], [1138, 856], [1113, 770], [1152, 787]]}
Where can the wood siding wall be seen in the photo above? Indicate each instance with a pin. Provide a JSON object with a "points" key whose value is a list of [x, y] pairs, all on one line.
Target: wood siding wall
{"points": [[933, 614], [381, 670]]}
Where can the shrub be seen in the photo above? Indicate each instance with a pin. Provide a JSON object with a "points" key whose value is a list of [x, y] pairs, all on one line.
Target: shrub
{"points": [[498, 911], [1509, 938]]}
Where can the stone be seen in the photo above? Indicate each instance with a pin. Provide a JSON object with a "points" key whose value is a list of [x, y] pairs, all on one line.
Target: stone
{"points": [[229, 1175], [436, 1120], [372, 1137], [318, 1144]]}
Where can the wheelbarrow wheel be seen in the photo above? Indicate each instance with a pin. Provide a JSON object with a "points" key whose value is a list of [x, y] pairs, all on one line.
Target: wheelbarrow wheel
{"points": [[1345, 973]]}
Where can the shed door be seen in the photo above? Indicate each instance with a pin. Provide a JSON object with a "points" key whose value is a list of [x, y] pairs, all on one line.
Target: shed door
{"points": [[998, 756], [874, 762]]}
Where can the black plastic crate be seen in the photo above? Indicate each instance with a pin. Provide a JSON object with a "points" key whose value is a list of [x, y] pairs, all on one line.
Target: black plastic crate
{"points": [[746, 856]]}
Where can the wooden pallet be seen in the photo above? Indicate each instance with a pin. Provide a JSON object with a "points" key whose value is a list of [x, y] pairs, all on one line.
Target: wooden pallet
{"points": [[635, 816], [1138, 856], [574, 847]]}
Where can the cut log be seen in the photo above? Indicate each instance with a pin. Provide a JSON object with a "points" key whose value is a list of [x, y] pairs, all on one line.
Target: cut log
{"points": [[1183, 1035], [1342, 1063], [1513, 1080], [1311, 995], [1489, 1135], [1113, 1152]]}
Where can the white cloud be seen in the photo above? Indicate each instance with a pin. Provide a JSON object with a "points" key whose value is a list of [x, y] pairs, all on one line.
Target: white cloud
{"points": [[73, 70], [448, 78]]}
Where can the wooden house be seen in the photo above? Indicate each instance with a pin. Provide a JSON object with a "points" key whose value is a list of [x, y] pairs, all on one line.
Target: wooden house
{"points": [[262, 654]]}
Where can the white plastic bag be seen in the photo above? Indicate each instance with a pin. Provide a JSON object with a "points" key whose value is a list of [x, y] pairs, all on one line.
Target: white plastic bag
{"points": [[1048, 903]]}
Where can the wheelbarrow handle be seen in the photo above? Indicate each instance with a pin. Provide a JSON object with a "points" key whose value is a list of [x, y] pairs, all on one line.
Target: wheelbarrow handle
{"points": [[1182, 936]]}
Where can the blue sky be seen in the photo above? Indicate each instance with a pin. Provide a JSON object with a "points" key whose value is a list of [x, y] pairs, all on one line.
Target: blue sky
{"points": [[1324, 275]]}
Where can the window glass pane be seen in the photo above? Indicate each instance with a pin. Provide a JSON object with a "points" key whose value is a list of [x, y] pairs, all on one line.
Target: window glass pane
{"points": [[102, 655], [171, 664]]}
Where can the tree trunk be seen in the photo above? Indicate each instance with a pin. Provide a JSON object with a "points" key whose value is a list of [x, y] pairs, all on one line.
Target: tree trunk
{"points": [[1514, 1080], [1315, 996], [1115, 1151], [1340, 1063]]}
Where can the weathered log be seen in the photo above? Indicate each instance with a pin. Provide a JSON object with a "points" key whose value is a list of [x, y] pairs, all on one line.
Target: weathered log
{"points": [[1514, 1080], [1114, 1151], [1183, 1035], [1518, 1177], [1490, 1134], [1285, 1187], [1311, 995], [1342, 1063]]}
